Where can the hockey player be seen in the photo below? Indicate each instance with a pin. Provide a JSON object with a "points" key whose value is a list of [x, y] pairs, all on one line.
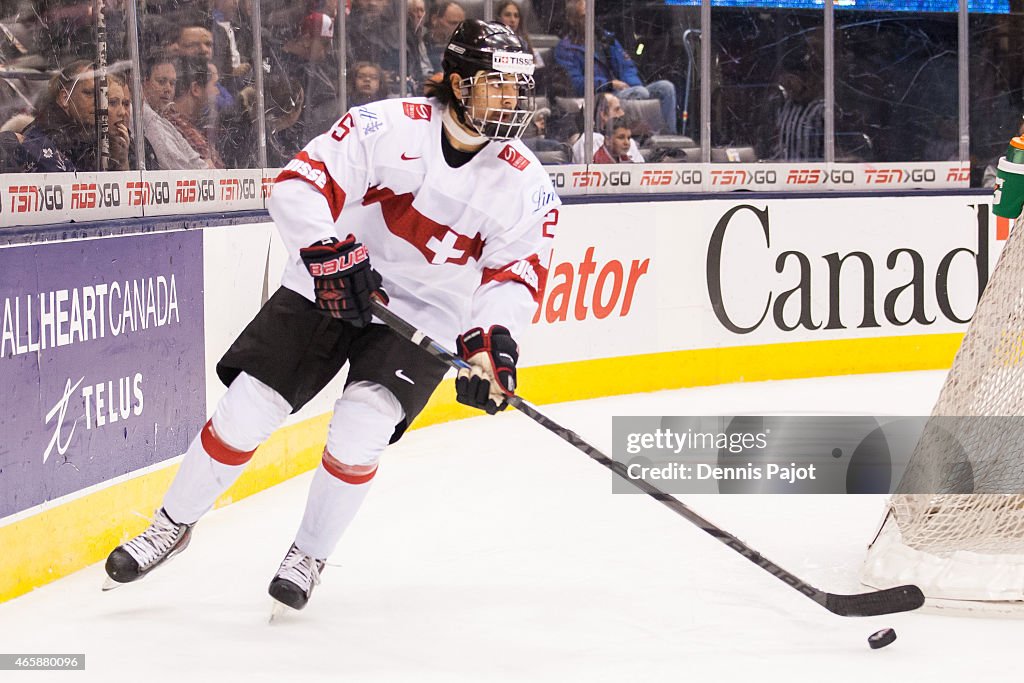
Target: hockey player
{"points": [[432, 205]]}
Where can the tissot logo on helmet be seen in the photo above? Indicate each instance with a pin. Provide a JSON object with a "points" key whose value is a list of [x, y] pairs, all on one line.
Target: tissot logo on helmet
{"points": [[513, 62]]}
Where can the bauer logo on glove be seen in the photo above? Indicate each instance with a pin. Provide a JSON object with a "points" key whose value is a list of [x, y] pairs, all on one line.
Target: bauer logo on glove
{"points": [[491, 378], [343, 281], [339, 264]]}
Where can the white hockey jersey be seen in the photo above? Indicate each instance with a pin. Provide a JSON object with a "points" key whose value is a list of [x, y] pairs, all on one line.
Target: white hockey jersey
{"points": [[457, 247]]}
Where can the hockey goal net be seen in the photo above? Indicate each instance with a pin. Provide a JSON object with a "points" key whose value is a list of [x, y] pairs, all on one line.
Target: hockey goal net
{"points": [[964, 545]]}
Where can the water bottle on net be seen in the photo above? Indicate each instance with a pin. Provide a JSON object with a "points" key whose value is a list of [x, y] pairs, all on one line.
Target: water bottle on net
{"points": [[1008, 198]]}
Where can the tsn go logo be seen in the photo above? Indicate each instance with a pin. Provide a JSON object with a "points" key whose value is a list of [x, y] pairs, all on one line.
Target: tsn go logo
{"points": [[591, 179]]}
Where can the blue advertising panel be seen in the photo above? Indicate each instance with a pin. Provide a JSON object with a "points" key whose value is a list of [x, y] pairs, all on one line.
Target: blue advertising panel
{"points": [[101, 361]]}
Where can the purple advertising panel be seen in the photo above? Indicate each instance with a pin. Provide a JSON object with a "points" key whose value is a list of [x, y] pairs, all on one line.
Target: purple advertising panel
{"points": [[101, 361]]}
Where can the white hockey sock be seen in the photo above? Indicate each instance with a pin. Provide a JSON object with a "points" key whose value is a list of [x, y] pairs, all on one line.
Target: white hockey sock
{"points": [[198, 484], [330, 508], [245, 417], [363, 422]]}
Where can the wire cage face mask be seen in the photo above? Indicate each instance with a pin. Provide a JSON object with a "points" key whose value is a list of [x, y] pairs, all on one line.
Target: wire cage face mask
{"points": [[496, 120]]}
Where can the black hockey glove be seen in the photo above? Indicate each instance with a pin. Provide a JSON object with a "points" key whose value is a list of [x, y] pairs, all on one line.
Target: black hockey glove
{"points": [[343, 280], [492, 356]]}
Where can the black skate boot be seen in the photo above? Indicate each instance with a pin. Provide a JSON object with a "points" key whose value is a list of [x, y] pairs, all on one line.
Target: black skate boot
{"points": [[295, 578], [163, 539]]}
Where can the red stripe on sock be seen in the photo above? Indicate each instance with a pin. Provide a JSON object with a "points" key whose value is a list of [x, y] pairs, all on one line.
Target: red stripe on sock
{"points": [[220, 451], [350, 474]]}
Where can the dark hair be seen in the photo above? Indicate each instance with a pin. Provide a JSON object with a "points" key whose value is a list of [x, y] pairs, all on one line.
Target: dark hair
{"points": [[191, 19], [281, 93], [619, 122], [191, 70], [439, 8], [155, 60], [441, 91], [499, 7]]}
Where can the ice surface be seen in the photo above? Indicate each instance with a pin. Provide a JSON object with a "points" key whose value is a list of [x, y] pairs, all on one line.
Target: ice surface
{"points": [[489, 550]]}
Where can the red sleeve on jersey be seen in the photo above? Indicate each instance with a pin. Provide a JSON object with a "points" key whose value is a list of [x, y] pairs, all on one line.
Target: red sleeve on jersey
{"points": [[314, 172], [527, 272]]}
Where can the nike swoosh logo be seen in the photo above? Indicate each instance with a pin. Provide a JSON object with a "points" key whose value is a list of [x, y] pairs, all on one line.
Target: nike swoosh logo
{"points": [[401, 375], [408, 158]]}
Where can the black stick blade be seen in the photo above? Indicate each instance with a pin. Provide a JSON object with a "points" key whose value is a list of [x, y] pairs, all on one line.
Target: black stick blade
{"points": [[888, 601]]}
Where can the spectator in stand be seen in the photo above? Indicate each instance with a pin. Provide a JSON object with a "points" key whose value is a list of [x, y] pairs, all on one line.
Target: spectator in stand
{"points": [[121, 81], [194, 96], [616, 143], [372, 32], [420, 67], [62, 138], [159, 75], [365, 84], [800, 118], [171, 150], [614, 71], [443, 17], [305, 57], [119, 122], [10, 152], [508, 13], [283, 101], [232, 43], [195, 40], [608, 109]]}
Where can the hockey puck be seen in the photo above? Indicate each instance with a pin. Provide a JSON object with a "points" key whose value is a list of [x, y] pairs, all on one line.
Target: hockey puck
{"points": [[881, 638]]}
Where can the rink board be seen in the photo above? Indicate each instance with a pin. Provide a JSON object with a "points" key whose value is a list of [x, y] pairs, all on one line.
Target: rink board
{"points": [[641, 296]]}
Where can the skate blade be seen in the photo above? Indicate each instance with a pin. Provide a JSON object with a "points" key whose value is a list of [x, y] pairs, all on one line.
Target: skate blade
{"points": [[278, 610], [109, 584]]}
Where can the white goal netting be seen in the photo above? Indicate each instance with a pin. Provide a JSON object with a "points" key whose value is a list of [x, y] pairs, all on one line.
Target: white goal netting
{"points": [[966, 542]]}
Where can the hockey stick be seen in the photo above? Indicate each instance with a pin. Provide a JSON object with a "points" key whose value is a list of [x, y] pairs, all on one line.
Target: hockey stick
{"points": [[874, 603]]}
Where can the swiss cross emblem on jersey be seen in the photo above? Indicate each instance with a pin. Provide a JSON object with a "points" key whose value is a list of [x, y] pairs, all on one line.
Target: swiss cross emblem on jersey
{"points": [[417, 111], [514, 158], [438, 243], [445, 249]]}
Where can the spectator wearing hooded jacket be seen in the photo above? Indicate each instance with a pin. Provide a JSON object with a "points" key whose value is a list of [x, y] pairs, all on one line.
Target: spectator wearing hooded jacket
{"points": [[614, 71]]}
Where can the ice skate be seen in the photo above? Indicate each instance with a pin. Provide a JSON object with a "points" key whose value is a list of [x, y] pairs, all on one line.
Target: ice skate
{"points": [[295, 579], [162, 540]]}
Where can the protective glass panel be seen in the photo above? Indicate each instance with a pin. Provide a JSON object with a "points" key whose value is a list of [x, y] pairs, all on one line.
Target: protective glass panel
{"points": [[896, 86], [767, 73], [52, 109], [374, 51], [640, 73], [198, 84], [997, 90], [302, 73], [559, 116]]}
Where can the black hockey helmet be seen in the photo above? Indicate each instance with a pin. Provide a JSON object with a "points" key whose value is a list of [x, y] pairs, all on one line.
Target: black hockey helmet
{"points": [[502, 56]]}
